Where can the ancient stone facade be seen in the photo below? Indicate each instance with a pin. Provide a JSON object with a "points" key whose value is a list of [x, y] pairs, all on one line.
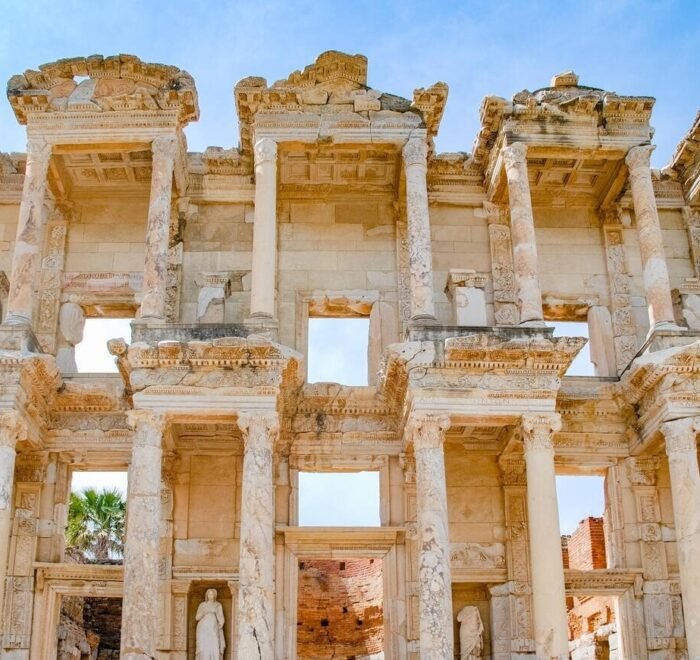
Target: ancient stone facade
{"points": [[336, 204]]}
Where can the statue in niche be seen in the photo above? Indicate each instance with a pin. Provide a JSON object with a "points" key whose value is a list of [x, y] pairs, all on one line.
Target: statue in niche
{"points": [[210, 628], [471, 633], [71, 322]]}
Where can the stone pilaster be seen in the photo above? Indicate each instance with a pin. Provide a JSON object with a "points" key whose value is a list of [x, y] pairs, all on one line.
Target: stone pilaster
{"points": [[141, 552], [546, 563], [415, 160], [656, 281], [264, 274], [682, 451], [505, 296], [256, 598], [30, 233], [427, 433], [155, 272], [522, 225], [11, 428]]}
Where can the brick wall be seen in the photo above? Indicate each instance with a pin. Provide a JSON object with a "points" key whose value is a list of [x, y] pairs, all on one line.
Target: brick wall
{"points": [[340, 611], [586, 546]]}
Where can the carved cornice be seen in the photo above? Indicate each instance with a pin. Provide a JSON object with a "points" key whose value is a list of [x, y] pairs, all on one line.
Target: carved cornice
{"points": [[686, 162], [117, 84]]}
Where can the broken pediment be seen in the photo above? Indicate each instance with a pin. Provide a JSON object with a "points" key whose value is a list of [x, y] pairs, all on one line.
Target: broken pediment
{"points": [[334, 88], [103, 84]]}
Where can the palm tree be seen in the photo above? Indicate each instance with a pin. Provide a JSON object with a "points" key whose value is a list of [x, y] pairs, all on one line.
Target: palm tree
{"points": [[96, 523]]}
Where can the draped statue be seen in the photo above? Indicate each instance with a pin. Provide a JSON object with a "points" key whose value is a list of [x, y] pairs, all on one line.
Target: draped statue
{"points": [[471, 633], [210, 628]]}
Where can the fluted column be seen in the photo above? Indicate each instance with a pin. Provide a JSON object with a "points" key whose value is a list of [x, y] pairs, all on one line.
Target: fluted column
{"points": [[30, 234], [522, 228], [546, 564], [657, 285], [682, 451], [256, 602], [264, 274], [155, 272], [11, 429], [427, 432], [420, 252], [140, 608]]}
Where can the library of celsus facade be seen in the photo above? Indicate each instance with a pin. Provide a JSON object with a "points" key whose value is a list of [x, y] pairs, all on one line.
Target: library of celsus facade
{"points": [[335, 204]]}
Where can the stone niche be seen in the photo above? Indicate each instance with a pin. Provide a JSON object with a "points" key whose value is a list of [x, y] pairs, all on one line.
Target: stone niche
{"points": [[341, 610], [476, 595], [194, 598]]}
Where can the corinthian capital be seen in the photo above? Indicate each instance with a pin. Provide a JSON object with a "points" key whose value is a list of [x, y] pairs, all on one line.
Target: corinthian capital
{"points": [[149, 426], [681, 435], [265, 150], [539, 430], [164, 146], [259, 429], [427, 430], [38, 149], [515, 154], [415, 152], [12, 428], [638, 157]]}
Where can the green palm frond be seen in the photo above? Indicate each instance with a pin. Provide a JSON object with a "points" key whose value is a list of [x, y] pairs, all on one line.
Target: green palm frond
{"points": [[96, 521]]}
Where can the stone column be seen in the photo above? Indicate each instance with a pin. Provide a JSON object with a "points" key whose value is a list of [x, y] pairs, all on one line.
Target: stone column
{"points": [[546, 564], [140, 609], [523, 234], [682, 451], [30, 235], [427, 432], [651, 246], [155, 272], [11, 428], [256, 598], [420, 254], [264, 274]]}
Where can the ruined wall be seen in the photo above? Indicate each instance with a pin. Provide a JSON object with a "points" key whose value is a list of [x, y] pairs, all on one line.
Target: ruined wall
{"points": [[586, 546], [340, 612]]}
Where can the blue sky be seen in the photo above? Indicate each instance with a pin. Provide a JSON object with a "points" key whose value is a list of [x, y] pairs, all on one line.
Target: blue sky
{"points": [[478, 48]]}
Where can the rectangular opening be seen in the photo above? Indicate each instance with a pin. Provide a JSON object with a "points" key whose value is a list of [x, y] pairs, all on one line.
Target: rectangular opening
{"points": [[582, 365], [97, 517], [337, 350], [91, 354], [89, 628], [592, 626], [340, 611], [581, 501], [339, 499]]}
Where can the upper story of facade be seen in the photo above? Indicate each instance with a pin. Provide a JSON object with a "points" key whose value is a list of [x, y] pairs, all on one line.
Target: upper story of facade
{"points": [[336, 204]]}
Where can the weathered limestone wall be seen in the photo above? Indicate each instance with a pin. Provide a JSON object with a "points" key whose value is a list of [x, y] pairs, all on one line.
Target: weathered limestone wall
{"points": [[460, 239], [8, 229], [217, 238], [206, 513], [107, 235]]}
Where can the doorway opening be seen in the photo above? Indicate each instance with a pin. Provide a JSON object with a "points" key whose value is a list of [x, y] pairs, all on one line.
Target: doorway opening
{"points": [[89, 628], [340, 611]]}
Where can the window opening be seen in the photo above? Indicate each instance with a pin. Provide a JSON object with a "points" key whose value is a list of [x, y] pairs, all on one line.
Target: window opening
{"points": [[339, 499], [97, 517], [91, 354], [337, 350], [582, 365]]}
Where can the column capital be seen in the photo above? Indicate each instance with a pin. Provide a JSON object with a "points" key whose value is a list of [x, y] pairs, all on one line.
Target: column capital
{"points": [[164, 146], [415, 152], [681, 435], [265, 150], [515, 154], [538, 430], [38, 148], [259, 429], [426, 430], [12, 428], [639, 157], [149, 426]]}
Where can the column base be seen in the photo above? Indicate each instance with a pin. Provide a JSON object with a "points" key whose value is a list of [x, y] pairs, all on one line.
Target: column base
{"points": [[262, 325], [16, 336], [534, 323], [422, 320]]}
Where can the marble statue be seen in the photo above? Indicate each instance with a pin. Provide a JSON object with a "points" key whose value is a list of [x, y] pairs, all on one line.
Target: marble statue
{"points": [[71, 323], [471, 633], [210, 628]]}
